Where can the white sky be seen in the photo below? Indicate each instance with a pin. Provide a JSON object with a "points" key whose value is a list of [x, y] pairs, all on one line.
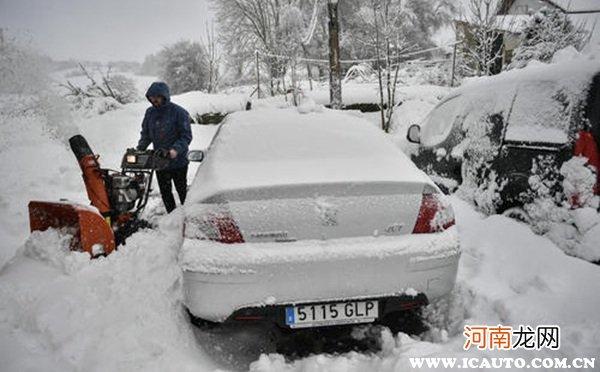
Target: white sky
{"points": [[104, 30]]}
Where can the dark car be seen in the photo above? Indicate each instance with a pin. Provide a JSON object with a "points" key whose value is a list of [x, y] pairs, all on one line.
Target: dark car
{"points": [[508, 134]]}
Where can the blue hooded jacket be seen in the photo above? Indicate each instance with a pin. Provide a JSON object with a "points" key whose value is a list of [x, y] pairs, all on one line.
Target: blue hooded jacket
{"points": [[166, 127]]}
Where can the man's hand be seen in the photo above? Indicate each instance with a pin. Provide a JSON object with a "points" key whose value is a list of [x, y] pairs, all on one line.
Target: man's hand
{"points": [[173, 154], [162, 153]]}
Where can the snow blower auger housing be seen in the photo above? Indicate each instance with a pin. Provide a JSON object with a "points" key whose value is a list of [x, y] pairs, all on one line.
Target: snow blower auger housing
{"points": [[118, 198]]}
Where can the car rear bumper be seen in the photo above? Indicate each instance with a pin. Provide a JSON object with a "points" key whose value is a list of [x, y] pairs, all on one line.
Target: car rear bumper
{"points": [[220, 280]]}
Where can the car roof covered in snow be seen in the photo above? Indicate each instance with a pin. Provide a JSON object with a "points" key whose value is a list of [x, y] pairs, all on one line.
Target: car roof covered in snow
{"points": [[573, 75], [272, 147], [536, 112]]}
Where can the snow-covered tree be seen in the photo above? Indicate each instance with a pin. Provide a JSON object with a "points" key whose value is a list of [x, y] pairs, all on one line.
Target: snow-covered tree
{"points": [[22, 70], [405, 23], [213, 59], [278, 30], [480, 53], [385, 29], [548, 31], [25, 91], [247, 26], [184, 66]]}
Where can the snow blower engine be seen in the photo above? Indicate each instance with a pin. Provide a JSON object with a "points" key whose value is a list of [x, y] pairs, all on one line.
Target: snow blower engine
{"points": [[118, 198]]}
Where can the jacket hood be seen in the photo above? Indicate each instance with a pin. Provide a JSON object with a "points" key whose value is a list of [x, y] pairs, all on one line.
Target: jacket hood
{"points": [[159, 88]]}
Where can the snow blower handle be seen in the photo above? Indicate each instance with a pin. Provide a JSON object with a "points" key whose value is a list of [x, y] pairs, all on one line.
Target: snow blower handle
{"points": [[144, 160]]}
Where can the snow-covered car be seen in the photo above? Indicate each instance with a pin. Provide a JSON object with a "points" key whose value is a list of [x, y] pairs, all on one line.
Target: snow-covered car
{"points": [[312, 219], [512, 135]]}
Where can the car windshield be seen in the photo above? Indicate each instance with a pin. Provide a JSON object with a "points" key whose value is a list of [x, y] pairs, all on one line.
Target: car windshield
{"points": [[438, 124], [539, 114]]}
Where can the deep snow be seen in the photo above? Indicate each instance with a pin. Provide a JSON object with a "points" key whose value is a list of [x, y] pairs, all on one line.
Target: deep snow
{"points": [[60, 311]]}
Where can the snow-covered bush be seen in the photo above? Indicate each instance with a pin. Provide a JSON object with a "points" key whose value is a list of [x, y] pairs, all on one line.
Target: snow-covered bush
{"points": [[104, 91], [360, 73], [548, 31], [481, 185], [564, 208], [90, 106]]}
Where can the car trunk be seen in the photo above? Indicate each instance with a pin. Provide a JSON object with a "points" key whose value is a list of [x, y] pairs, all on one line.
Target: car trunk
{"points": [[319, 211]]}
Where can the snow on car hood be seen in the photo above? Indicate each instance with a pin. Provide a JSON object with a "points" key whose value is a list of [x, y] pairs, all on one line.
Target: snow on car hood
{"points": [[284, 147]]}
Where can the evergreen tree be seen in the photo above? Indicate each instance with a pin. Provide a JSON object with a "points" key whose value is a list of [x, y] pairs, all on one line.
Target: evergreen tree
{"points": [[548, 31]]}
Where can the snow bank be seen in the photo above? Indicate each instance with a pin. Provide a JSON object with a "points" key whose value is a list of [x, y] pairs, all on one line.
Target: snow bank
{"points": [[201, 103], [351, 94], [36, 164], [120, 313]]}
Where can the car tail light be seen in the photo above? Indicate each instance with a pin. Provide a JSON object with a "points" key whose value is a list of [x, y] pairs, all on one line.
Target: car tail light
{"points": [[228, 230], [585, 145], [435, 215], [213, 223]]}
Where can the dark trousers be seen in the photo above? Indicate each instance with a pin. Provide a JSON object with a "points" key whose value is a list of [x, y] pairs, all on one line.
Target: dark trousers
{"points": [[179, 178]]}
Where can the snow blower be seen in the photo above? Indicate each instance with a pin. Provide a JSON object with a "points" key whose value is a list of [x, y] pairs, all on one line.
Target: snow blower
{"points": [[117, 200]]}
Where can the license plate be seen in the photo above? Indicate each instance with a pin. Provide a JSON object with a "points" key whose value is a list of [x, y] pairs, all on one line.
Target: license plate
{"points": [[319, 315]]}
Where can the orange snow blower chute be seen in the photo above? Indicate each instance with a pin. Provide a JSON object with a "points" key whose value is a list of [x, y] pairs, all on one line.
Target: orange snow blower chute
{"points": [[117, 199]]}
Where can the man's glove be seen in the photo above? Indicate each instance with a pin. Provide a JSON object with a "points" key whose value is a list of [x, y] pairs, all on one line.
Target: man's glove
{"points": [[162, 153]]}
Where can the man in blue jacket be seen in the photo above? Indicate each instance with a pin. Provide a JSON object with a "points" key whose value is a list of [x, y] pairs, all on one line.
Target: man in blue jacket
{"points": [[167, 126]]}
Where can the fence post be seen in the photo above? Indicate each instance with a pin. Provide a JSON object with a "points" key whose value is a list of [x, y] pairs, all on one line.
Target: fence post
{"points": [[335, 85], [257, 75], [453, 65]]}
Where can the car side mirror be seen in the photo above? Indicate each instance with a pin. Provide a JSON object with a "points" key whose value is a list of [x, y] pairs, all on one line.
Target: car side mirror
{"points": [[195, 155], [414, 134]]}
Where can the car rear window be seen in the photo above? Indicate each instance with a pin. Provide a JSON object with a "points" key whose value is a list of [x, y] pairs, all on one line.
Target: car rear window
{"points": [[539, 114]]}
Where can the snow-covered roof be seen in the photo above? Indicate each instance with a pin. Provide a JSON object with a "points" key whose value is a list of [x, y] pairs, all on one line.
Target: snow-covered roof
{"points": [[512, 22], [577, 5], [516, 23], [272, 147], [565, 5], [589, 21]]}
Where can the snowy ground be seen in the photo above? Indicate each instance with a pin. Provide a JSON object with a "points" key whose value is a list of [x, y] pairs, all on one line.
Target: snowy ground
{"points": [[59, 311]]}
